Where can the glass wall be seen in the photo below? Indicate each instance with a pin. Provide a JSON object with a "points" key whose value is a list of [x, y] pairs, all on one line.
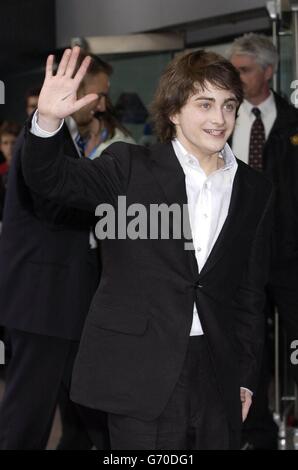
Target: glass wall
{"points": [[136, 74]]}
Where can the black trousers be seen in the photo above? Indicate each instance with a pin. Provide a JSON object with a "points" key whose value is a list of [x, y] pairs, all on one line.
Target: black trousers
{"points": [[194, 417], [38, 372]]}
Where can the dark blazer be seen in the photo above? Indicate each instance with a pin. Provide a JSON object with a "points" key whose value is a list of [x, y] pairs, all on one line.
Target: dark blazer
{"points": [[48, 274], [136, 334], [280, 164]]}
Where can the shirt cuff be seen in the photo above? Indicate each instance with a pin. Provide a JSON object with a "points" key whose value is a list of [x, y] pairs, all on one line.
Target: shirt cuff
{"points": [[38, 131], [244, 388]]}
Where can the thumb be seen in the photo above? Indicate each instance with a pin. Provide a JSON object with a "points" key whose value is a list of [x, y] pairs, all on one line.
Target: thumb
{"points": [[84, 101]]}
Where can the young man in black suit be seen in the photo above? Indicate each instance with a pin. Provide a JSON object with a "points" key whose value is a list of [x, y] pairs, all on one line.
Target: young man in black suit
{"points": [[172, 341]]}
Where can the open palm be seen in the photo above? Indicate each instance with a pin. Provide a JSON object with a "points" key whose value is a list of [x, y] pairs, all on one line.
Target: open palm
{"points": [[58, 96]]}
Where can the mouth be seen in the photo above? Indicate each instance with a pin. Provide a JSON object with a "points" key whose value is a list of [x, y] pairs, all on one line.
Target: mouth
{"points": [[215, 132]]}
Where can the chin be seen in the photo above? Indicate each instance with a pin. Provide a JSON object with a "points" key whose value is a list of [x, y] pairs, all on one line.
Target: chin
{"points": [[217, 146]]}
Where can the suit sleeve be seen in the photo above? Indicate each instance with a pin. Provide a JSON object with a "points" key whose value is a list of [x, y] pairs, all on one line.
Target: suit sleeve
{"points": [[50, 213], [250, 300], [79, 183]]}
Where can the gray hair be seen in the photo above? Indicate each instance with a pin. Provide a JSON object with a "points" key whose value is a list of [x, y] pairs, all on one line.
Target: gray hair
{"points": [[258, 46]]}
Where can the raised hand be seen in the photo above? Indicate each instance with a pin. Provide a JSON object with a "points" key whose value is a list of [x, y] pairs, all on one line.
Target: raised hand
{"points": [[246, 400], [58, 96]]}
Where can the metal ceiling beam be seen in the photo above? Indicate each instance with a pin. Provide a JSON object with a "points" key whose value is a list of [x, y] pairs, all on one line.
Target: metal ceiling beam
{"points": [[132, 43]]}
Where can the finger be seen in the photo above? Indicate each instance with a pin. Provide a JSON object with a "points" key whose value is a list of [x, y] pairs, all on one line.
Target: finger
{"points": [[72, 61], [84, 101], [49, 66], [64, 62], [82, 70], [245, 409]]}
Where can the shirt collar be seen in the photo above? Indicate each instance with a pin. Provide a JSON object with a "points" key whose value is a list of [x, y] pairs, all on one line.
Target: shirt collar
{"points": [[72, 127], [266, 107], [184, 156]]}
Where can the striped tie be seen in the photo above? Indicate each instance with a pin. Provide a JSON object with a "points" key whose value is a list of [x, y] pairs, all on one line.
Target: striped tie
{"points": [[81, 143]]}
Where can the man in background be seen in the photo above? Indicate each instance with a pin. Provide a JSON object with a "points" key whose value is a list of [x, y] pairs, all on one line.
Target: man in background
{"points": [[49, 271], [264, 137], [31, 98]]}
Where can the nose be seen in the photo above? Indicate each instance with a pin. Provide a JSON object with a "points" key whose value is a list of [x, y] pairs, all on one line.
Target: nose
{"points": [[101, 104], [242, 76], [218, 117]]}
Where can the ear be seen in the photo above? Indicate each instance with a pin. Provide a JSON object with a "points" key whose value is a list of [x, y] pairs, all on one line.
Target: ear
{"points": [[174, 119], [269, 72]]}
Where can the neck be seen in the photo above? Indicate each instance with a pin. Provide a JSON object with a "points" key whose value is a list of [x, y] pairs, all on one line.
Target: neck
{"points": [[83, 130], [256, 100], [211, 163], [208, 162]]}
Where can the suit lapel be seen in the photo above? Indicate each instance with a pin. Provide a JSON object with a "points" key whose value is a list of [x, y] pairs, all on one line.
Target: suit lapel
{"points": [[168, 173], [171, 179]]}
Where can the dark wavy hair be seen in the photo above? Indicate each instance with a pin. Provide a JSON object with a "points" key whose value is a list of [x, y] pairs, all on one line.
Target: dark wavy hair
{"points": [[183, 77]]}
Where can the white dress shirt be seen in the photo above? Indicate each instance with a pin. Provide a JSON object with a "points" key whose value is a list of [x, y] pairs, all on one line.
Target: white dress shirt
{"points": [[244, 121], [208, 199], [39, 132]]}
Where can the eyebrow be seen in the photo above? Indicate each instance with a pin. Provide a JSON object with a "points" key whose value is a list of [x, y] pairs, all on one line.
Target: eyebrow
{"points": [[205, 98]]}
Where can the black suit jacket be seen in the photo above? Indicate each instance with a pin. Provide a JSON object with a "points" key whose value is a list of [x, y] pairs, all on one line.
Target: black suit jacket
{"points": [[136, 334], [48, 274], [280, 164]]}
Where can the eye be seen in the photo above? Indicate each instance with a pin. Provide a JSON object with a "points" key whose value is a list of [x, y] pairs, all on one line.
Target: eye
{"points": [[205, 105], [230, 107]]}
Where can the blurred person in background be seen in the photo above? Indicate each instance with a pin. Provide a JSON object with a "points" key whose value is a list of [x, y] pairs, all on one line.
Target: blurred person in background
{"points": [[105, 129], [31, 100], [266, 138], [9, 132], [49, 271]]}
